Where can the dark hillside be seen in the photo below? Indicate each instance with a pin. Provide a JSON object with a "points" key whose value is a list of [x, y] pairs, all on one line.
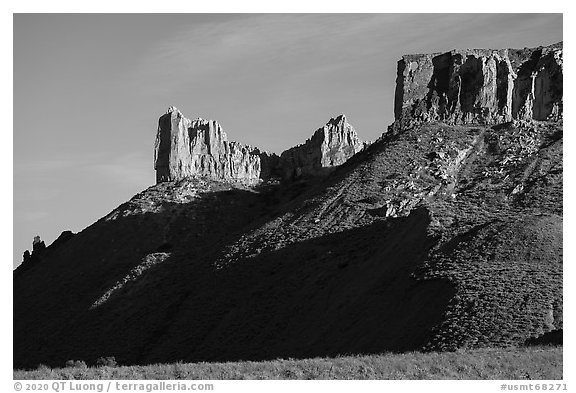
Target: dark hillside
{"points": [[421, 241]]}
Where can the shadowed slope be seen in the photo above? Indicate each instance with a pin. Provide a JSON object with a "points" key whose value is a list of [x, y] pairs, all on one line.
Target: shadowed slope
{"points": [[345, 288], [354, 263]]}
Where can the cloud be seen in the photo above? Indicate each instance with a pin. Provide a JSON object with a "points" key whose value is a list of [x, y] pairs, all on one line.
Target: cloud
{"points": [[279, 44]]}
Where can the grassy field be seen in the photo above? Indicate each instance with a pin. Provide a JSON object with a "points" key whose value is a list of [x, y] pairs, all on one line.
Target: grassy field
{"points": [[511, 363]]}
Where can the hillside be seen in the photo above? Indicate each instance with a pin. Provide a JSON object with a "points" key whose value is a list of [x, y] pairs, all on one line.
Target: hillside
{"points": [[443, 234]]}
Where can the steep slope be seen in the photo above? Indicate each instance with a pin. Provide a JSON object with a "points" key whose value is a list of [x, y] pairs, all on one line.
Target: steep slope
{"points": [[436, 236], [494, 240], [61, 303]]}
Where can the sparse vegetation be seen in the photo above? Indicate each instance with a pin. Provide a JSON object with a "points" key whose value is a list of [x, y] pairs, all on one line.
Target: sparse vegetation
{"points": [[511, 363]]}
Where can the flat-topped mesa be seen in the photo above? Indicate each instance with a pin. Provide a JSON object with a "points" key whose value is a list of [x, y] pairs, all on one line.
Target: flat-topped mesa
{"points": [[186, 148], [480, 86], [330, 146]]}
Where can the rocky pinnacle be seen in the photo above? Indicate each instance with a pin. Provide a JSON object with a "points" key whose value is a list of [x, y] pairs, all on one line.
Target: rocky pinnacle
{"points": [[200, 148], [330, 146]]}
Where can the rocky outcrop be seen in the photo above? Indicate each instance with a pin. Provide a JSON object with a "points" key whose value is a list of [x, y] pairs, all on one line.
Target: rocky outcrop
{"points": [[329, 146], [39, 250], [199, 147], [480, 86], [31, 258]]}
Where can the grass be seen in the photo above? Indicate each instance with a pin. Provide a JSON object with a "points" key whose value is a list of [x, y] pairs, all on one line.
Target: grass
{"points": [[504, 364]]}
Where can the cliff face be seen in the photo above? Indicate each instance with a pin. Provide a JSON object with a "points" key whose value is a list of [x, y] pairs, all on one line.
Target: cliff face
{"points": [[329, 146], [187, 148], [200, 147], [480, 86]]}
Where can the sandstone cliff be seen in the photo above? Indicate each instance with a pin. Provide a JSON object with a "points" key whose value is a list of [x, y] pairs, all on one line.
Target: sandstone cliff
{"points": [[330, 146], [199, 147], [480, 86]]}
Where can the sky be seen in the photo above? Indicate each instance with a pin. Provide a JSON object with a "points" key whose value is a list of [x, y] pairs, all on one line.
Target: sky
{"points": [[88, 90]]}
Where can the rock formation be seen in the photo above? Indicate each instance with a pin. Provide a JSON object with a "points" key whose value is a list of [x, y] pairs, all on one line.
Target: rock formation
{"points": [[38, 245], [186, 148], [480, 86], [30, 258], [329, 147], [442, 236], [200, 147], [40, 250]]}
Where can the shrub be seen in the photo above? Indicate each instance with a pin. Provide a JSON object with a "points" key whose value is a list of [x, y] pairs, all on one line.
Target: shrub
{"points": [[76, 364], [109, 361], [43, 367]]}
